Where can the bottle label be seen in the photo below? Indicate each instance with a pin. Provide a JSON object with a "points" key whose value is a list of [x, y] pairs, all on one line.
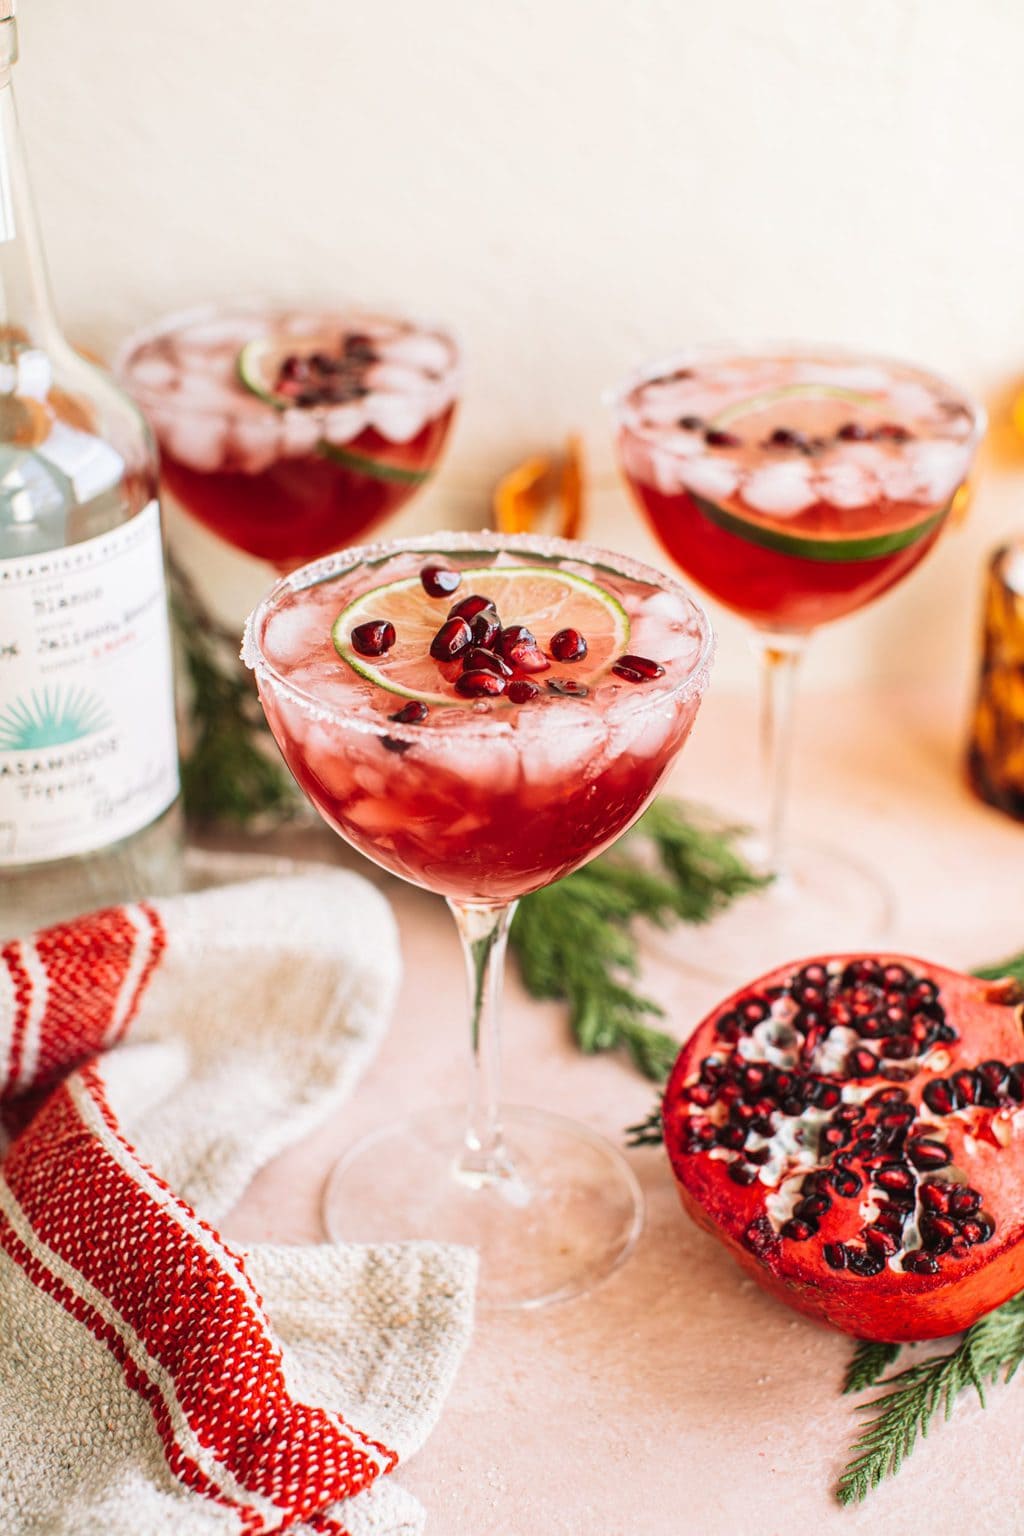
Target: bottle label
{"points": [[87, 741]]}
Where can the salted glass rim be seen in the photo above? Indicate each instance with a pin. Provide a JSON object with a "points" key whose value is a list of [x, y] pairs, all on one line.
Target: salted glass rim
{"points": [[485, 542], [616, 398], [257, 305]]}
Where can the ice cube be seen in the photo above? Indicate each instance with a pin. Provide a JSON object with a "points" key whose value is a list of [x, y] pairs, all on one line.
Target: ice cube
{"points": [[847, 484], [397, 417], [197, 440], [782, 490], [151, 371], [715, 477], [343, 423], [255, 441], [569, 748], [300, 432], [428, 354], [287, 640]]}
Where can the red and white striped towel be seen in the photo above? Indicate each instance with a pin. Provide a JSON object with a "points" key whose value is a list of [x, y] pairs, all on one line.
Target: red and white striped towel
{"points": [[153, 1379]]}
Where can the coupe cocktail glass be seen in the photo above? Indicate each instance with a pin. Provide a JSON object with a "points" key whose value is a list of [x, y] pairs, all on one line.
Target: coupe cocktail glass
{"points": [[794, 486], [289, 432], [482, 801]]}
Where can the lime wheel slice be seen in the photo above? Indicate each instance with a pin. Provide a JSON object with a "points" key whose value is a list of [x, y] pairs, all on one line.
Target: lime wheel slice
{"points": [[753, 405], [545, 599], [259, 370], [831, 550]]}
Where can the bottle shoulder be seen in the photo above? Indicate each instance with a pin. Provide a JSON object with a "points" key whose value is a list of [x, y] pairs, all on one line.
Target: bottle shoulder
{"points": [[76, 456]]}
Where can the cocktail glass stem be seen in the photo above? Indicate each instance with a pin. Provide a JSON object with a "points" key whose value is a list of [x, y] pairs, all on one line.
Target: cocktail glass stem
{"points": [[780, 655], [484, 933]]}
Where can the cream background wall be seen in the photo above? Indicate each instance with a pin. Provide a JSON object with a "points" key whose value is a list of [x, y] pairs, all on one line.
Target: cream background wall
{"points": [[574, 185]]}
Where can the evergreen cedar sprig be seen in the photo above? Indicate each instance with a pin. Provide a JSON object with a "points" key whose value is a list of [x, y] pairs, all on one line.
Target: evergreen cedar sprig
{"points": [[574, 941], [992, 1348], [226, 776]]}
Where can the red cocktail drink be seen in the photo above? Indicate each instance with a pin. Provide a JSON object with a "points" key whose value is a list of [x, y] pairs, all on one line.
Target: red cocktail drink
{"points": [[797, 488], [290, 433], [484, 799]]}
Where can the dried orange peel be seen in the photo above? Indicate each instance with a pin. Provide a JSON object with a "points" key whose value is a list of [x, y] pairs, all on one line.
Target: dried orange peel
{"points": [[543, 492]]}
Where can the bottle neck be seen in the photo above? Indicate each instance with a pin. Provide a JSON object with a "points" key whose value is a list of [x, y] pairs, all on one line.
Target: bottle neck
{"points": [[27, 314]]}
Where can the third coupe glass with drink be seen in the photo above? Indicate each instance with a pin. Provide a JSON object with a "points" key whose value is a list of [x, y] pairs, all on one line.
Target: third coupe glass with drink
{"points": [[795, 487], [290, 432]]}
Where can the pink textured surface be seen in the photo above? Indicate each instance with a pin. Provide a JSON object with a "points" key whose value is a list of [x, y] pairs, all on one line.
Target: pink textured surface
{"points": [[678, 1400]]}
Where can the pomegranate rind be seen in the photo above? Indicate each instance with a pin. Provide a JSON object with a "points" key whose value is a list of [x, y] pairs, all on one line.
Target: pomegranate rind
{"points": [[987, 1147]]}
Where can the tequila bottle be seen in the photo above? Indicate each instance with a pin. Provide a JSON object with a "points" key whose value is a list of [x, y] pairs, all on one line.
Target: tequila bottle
{"points": [[89, 799]]}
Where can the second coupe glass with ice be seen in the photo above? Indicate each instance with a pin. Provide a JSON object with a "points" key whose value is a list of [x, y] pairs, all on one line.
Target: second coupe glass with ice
{"points": [[481, 715], [794, 486]]}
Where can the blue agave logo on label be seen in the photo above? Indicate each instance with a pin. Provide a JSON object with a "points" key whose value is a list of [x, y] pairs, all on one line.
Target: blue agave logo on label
{"points": [[51, 719]]}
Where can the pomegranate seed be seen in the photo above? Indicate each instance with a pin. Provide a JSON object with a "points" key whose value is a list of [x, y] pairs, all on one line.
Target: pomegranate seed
{"points": [[937, 1233], [993, 1076], [732, 1136], [896, 977], [637, 669], [568, 645], [479, 685], [963, 1201], [926, 1154], [703, 1095], [939, 1097], [451, 640], [891, 1219], [728, 1026], [889, 1096], [938, 1197], [862, 1262], [359, 345], [566, 688], [440, 580], [754, 1010], [834, 1255], [832, 1137], [977, 1229], [691, 423], [967, 1087], [516, 634], [893, 1177], [485, 628], [477, 659], [519, 647], [373, 638], [880, 1240], [785, 437], [799, 1231], [826, 1095], [716, 438], [410, 714], [918, 1263], [760, 1155], [812, 1206], [861, 1063], [741, 1173], [892, 432], [468, 607], [853, 432]]}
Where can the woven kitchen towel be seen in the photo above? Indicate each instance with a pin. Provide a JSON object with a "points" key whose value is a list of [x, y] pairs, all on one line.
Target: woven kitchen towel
{"points": [[154, 1381]]}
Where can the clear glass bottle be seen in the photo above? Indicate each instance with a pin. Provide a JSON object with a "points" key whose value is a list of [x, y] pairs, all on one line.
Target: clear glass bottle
{"points": [[89, 798]]}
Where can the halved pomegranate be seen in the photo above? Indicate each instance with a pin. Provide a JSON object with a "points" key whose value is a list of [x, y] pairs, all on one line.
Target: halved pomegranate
{"points": [[852, 1128]]}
